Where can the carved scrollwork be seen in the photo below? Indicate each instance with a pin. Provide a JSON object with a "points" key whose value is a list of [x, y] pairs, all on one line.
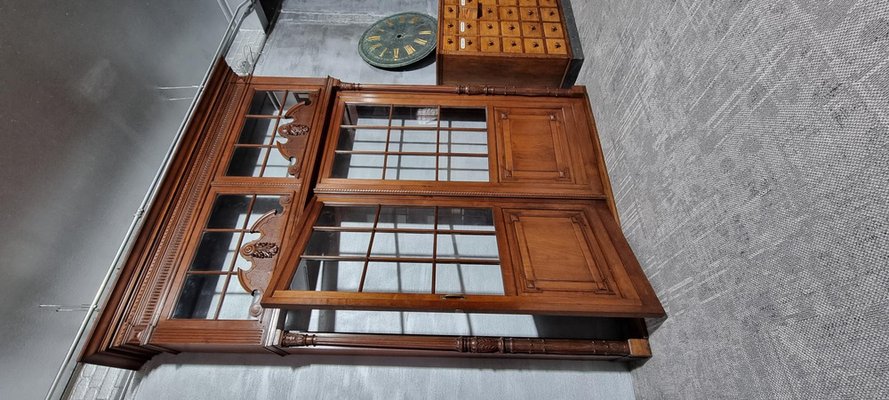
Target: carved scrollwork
{"points": [[293, 129], [262, 253], [297, 133], [260, 250]]}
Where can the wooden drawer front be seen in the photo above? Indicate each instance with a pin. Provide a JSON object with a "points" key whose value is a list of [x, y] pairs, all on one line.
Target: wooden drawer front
{"points": [[509, 13], [469, 12], [549, 14], [534, 46], [508, 2], [450, 27], [510, 29], [530, 14], [556, 46], [527, 2], [449, 43], [552, 30], [558, 251], [490, 44], [489, 28], [489, 12], [512, 45], [450, 11], [533, 145], [531, 29], [467, 28], [548, 3], [467, 43]]}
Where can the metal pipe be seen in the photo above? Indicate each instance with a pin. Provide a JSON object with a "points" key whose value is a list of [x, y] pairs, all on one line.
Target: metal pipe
{"points": [[125, 247]]}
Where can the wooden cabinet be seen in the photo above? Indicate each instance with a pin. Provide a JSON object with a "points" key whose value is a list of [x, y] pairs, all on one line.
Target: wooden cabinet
{"points": [[297, 193], [529, 43]]}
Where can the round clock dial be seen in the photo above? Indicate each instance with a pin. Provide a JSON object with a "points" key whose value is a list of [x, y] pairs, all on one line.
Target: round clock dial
{"points": [[398, 40]]}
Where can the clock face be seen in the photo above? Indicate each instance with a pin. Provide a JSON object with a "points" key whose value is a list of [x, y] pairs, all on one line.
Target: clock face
{"points": [[398, 40]]}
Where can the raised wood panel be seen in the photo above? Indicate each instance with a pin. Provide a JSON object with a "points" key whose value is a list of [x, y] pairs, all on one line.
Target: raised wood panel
{"points": [[557, 251], [532, 145]]}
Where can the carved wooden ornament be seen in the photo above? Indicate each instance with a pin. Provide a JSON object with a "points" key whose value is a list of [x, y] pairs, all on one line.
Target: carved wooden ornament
{"points": [[262, 254], [296, 133]]}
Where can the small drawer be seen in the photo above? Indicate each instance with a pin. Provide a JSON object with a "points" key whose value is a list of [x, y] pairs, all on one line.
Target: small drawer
{"points": [[529, 14], [450, 27], [508, 2], [449, 11], [548, 3], [534, 46], [531, 29], [510, 28], [509, 13], [489, 28], [552, 30], [452, 1], [469, 12], [489, 13], [490, 44], [467, 28], [449, 43], [549, 14], [512, 45], [467, 43], [556, 46], [527, 3]]}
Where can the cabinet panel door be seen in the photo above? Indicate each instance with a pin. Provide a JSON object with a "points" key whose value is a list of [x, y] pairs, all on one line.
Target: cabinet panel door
{"points": [[558, 251], [533, 145]]}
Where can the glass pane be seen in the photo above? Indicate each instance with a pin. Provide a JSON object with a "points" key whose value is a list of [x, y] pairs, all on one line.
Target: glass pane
{"points": [[463, 169], [415, 116], [481, 219], [342, 276], [262, 205], [199, 296], [276, 166], [398, 278], [216, 251], [468, 279], [463, 142], [246, 161], [407, 140], [467, 246], [410, 168], [295, 97], [362, 139], [229, 211], [463, 118], [366, 115], [236, 304], [358, 166], [338, 244], [265, 103], [362, 216], [406, 217], [397, 244], [257, 131]]}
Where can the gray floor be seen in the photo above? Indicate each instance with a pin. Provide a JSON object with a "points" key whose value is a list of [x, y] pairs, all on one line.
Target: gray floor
{"points": [[748, 146]]}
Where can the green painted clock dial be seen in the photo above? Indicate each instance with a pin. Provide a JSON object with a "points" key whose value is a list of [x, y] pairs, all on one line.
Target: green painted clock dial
{"points": [[398, 40]]}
